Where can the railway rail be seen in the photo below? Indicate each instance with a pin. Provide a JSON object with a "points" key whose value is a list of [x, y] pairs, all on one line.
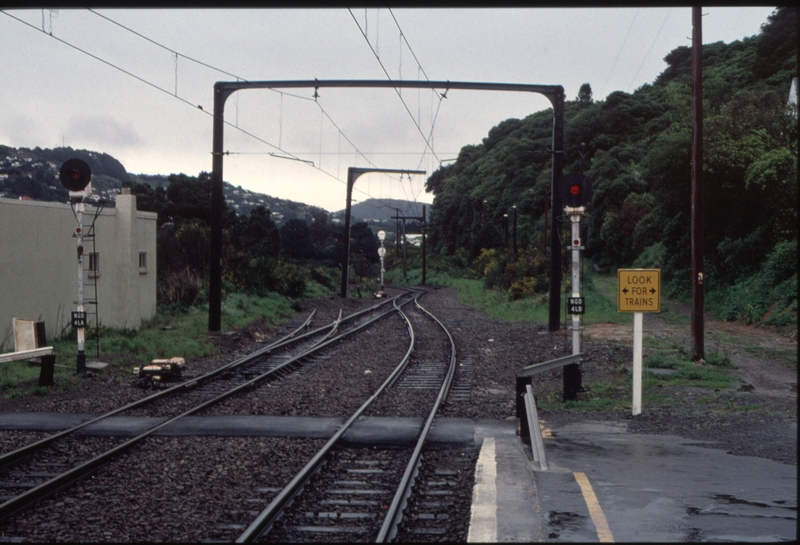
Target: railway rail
{"points": [[36, 471], [347, 494]]}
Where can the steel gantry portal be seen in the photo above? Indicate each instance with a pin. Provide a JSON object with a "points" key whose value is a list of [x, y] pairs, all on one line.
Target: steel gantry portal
{"points": [[352, 175], [224, 89]]}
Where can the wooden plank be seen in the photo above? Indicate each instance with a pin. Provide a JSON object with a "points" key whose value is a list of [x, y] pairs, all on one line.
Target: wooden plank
{"points": [[27, 354]]}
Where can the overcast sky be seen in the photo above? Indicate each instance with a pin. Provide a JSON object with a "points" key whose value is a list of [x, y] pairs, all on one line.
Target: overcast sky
{"points": [[63, 83]]}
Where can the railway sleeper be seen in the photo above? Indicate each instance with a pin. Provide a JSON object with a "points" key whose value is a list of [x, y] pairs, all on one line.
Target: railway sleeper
{"points": [[331, 529]]}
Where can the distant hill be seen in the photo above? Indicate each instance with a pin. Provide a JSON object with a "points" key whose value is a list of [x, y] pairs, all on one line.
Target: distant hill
{"points": [[384, 209], [33, 173]]}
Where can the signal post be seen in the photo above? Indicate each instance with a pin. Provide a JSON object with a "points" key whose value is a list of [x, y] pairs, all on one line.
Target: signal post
{"points": [[576, 191], [76, 176]]}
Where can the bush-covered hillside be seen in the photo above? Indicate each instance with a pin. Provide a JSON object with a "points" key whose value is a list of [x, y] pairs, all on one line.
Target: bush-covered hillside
{"points": [[636, 150]]}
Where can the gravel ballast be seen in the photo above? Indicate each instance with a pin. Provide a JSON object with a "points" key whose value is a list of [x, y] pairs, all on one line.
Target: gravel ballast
{"points": [[169, 489]]}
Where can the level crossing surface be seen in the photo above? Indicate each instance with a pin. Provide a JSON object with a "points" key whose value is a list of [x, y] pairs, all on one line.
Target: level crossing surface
{"points": [[603, 482]]}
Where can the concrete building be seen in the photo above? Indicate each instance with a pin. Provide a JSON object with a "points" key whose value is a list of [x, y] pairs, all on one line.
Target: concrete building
{"points": [[39, 265]]}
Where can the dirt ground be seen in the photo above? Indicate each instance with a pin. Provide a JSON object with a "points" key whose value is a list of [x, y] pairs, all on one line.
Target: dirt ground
{"points": [[765, 360]]}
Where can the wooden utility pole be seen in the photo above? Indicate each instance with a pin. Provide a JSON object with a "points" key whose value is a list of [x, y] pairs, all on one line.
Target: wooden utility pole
{"points": [[698, 288]]}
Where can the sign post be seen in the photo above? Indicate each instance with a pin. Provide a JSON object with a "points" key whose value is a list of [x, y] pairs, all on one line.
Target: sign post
{"points": [[638, 291]]}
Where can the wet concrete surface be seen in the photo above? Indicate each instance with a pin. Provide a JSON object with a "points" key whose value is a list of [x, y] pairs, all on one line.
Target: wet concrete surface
{"points": [[662, 488]]}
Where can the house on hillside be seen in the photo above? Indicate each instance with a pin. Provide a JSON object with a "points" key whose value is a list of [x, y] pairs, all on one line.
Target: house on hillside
{"points": [[38, 264]]}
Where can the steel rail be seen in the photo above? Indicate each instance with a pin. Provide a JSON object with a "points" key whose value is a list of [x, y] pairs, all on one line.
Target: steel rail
{"points": [[9, 458], [394, 513], [276, 506], [42, 490]]}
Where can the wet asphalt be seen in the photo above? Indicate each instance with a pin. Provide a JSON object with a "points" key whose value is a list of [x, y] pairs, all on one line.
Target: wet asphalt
{"points": [[660, 488]]}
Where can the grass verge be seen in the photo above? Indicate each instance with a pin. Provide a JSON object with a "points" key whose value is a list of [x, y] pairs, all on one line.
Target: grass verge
{"points": [[496, 304], [175, 331]]}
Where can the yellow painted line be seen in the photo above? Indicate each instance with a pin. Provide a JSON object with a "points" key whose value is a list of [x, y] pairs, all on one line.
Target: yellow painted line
{"points": [[599, 519], [547, 433]]}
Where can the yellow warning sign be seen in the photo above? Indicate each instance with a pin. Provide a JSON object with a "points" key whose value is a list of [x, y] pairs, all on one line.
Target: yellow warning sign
{"points": [[639, 290]]}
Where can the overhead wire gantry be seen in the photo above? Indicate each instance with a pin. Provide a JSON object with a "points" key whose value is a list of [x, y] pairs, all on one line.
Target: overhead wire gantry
{"points": [[224, 89]]}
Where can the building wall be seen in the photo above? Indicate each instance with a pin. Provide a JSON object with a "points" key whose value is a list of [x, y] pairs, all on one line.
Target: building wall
{"points": [[39, 265]]}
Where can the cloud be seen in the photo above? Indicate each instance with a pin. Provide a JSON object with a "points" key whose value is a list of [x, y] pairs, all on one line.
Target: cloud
{"points": [[19, 130], [102, 131]]}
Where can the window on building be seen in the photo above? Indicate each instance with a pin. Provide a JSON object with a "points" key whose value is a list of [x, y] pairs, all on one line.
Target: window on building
{"points": [[142, 262], [94, 265]]}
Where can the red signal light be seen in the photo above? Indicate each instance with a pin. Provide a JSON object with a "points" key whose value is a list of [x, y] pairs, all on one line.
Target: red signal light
{"points": [[576, 190], [75, 175]]}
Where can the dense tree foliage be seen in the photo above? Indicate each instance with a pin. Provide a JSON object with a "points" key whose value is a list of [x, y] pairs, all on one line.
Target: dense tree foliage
{"points": [[257, 256], [251, 246], [636, 150]]}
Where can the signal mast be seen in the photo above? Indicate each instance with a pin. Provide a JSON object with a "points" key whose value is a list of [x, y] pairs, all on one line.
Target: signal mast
{"points": [[576, 191], [76, 176]]}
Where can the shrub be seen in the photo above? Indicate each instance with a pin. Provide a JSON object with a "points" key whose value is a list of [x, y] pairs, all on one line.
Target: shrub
{"points": [[181, 286]]}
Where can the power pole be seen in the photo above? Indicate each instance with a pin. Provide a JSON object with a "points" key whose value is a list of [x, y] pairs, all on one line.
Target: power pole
{"points": [[505, 232], [405, 253], [424, 236], [698, 289], [424, 229], [515, 230]]}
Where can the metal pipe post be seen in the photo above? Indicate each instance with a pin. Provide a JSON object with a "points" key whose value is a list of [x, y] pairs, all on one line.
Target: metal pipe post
{"points": [[636, 402], [217, 203], [351, 179], [554, 320], [405, 253], [575, 218], [424, 225], [572, 373], [81, 360]]}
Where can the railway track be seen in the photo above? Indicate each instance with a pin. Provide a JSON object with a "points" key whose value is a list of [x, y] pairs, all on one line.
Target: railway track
{"points": [[360, 494], [36, 471]]}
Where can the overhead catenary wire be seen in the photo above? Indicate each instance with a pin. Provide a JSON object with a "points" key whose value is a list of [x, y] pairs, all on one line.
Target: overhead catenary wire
{"points": [[441, 97], [402, 39], [176, 54], [287, 155], [620, 52], [386, 72], [239, 78], [650, 48]]}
